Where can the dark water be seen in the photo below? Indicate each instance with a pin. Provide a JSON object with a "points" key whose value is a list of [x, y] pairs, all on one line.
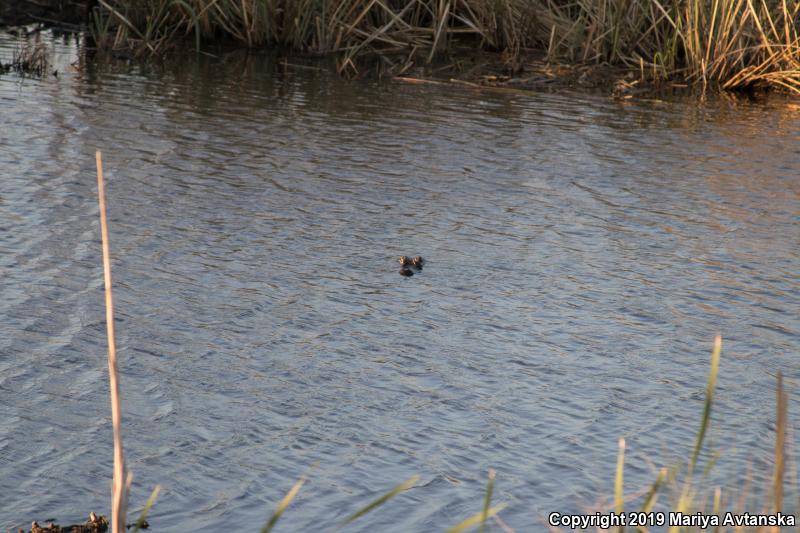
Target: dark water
{"points": [[582, 254]]}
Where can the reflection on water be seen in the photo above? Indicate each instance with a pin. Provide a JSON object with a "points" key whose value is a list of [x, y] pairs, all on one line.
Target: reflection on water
{"points": [[582, 254]]}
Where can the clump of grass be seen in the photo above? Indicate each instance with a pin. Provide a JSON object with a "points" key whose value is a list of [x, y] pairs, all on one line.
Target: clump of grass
{"points": [[732, 44], [30, 58], [684, 493], [687, 495], [478, 519]]}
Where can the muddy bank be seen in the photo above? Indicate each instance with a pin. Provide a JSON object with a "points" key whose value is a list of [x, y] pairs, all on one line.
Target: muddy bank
{"points": [[534, 72]]}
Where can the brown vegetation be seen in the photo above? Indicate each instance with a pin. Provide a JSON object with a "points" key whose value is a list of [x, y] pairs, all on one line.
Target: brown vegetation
{"points": [[732, 44]]}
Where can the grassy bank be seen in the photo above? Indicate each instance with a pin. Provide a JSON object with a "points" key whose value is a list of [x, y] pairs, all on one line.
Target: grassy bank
{"points": [[730, 44]]}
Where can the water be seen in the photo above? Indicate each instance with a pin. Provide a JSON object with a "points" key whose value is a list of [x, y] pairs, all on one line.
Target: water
{"points": [[581, 255]]}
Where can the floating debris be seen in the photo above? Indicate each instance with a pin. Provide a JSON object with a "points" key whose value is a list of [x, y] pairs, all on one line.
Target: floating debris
{"points": [[95, 524]]}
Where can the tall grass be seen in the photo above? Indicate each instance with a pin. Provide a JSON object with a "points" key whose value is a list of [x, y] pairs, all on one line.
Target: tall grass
{"points": [[678, 484], [684, 490], [733, 44], [30, 57], [687, 492]]}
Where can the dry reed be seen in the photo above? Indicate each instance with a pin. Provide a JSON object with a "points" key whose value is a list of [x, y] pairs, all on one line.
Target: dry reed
{"points": [[30, 57], [120, 483], [730, 43]]}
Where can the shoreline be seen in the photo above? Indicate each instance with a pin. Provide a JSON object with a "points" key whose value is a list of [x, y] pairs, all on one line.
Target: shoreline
{"points": [[556, 49], [486, 71]]}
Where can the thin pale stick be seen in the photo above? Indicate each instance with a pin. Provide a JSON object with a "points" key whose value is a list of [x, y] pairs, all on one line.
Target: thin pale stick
{"points": [[118, 501]]}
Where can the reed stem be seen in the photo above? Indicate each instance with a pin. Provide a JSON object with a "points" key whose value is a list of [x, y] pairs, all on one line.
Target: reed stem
{"points": [[119, 496]]}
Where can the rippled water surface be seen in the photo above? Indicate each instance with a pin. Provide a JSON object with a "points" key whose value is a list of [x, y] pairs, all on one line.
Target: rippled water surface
{"points": [[581, 255]]}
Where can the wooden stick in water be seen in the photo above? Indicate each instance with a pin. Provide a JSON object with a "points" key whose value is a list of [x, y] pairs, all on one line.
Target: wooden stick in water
{"points": [[119, 492]]}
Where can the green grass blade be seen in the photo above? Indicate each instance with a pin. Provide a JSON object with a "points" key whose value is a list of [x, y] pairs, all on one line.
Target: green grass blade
{"points": [[284, 503], [143, 515], [683, 506], [121, 18], [712, 384], [487, 501], [405, 485], [194, 21], [650, 499], [477, 518]]}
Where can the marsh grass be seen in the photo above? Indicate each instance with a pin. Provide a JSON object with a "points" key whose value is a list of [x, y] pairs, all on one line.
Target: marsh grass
{"points": [[686, 488], [732, 44], [30, 58], [683, 486]]}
